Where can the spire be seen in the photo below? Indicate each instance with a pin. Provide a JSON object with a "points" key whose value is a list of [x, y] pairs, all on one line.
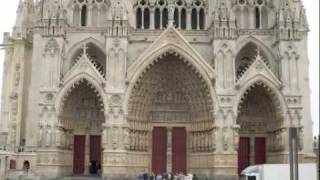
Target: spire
{"points": [[19, 13], [23, 18]]}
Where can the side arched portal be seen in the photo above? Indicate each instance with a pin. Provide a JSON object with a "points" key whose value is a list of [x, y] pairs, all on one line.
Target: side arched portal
{"points": [[82, 116], [171, 107], [261, 123]]}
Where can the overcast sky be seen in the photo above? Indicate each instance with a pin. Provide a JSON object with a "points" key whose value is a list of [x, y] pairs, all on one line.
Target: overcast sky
{"points": [[7, 20]]}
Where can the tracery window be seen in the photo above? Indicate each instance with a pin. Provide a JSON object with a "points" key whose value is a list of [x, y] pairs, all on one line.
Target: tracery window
{"points": [[257, 18], [197, 15], [259, 11], [164, 17], [142, 15], [180, 14], [161, 16], [84, 15], [89, 13], [156, 16]]}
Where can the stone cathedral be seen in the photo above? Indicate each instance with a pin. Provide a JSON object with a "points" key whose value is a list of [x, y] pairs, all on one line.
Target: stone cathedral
{"points": [[132, 86]]}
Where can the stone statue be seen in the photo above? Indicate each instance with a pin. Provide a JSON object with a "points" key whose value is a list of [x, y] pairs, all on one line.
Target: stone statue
{"points": [[171, 15], [225, 138], [17, 75], [126, 140], [48, 137]]}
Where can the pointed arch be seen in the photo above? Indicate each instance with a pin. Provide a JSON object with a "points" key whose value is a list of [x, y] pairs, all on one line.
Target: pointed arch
{"points": [[266, 52], [250, 39], [95, 15], [170, 40], [269, 84], [76, 49], [175, 44], [70, 84], [84, 16], [76, 15], [153, 58], [264, 17], [78, 45]]}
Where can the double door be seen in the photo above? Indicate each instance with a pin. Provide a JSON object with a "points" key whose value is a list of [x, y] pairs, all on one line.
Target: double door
{"points": [[164, 141], [79, 153], [251, 151]]}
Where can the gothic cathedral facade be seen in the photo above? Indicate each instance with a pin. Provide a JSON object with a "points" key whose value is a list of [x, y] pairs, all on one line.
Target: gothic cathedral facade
{"points": [[202, 86]]}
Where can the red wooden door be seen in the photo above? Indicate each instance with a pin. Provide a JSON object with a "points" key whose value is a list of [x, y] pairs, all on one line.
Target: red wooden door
{"points": [[95, 149], [179, 150], [78, 154], [260, 150], [243, 154], [159, 150]]}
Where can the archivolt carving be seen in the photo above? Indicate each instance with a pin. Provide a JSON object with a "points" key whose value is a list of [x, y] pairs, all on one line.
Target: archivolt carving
{"points": [[52, 47], [82, 107], [246, 56], [170, 40], [85, 58], [259, 110], [92, 50], [171, 91]]}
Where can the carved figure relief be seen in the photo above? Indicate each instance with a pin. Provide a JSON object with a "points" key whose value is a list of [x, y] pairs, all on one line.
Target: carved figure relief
{"points": [[225, 135], [52, 47], [17, 75]]}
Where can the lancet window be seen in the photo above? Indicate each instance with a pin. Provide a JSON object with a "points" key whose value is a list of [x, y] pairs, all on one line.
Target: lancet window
{"points": [[89, 13], [258, 11], [198, 15], [142, 15], [157, 15]]}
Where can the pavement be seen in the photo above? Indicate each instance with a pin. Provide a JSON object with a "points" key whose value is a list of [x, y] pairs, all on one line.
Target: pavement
{"points": [[80, 178]]}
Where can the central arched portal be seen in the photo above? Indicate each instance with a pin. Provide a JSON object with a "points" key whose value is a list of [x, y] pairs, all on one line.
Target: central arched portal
{"points": [[171, 106], [83, 115]]}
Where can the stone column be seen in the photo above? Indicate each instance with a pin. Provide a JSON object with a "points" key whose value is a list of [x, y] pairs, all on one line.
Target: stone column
{"points": [[198, 19], [89, 16], [87, 154], [169, 149], [252, 16], [2, 166], [161, 24], [252, 150], [151, 18], [188, 19], [142, 18]]}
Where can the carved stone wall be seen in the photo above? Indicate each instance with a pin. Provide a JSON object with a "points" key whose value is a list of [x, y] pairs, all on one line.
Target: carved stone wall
{"points": [[82, 108]]}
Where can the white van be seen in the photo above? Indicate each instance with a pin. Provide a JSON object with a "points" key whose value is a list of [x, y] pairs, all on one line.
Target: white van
{"points": [[278, 172]]}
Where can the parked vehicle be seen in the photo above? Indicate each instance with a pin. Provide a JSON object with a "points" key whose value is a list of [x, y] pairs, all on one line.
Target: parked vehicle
{"points": [[278, 172]]}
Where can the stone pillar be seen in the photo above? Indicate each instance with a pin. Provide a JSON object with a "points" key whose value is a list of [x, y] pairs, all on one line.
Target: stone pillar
{"points": [[87, 154], [142, 21], [169, 149], [226, 143], [2, 166], [252, 18], [198, 19], [89, 16], [151, 18], [188, 19], [252, 150], [161, 23]]}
